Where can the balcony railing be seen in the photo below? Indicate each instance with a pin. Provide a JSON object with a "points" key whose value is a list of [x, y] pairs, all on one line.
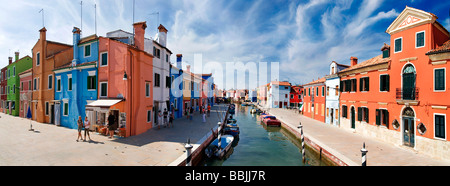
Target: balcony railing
{"points": [[407, 93]]}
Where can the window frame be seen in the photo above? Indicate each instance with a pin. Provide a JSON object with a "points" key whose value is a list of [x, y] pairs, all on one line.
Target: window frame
{"points": [[434, 126], [101, 59], [90, 50], [434, 79], [64, 108], [401, 45], [58, 84], [50, 84], [424, 39], [101, 88]]}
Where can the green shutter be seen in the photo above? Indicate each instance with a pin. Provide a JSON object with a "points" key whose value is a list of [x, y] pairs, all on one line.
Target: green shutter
{"points": [[341, 86], [104, 59], [70, 84], [377, 114], [359, 114], [420, 40], [89, 82], [366, 117], [361, 84], [367, 84], [386, 116], [387, 83], [439, 79], [398, 45]]}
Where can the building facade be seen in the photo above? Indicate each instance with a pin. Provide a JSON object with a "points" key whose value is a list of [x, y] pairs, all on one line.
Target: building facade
{"points": [[25, 92], [46, 56], [76, 81], [332, 83], [13, 82], [314, 100], [176, 90], [278, 94]]}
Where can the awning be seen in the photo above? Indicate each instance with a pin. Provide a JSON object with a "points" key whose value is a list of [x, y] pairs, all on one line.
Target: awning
{"points": [[104, 103]]}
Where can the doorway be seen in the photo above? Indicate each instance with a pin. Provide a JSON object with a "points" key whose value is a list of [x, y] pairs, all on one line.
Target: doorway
{"points": [[352, 115], [52, 114], [408, 117], [409, 83]]}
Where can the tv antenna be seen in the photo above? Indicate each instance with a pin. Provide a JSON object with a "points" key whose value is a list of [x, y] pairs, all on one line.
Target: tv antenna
{"points": [[42, 10]]}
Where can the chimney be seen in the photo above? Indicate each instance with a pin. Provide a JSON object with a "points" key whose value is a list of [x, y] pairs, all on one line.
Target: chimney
{"points": [[17, 55], [10, 60], [354, 61], [162, 36], [76, 39], [179, 61], [43, 35], [188, 68], [139, 34]]}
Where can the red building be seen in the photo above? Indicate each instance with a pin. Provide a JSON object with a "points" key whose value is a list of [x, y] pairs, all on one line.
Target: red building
{"points": [[25, 92], [296, 96], [3, 84], [314, 99]]}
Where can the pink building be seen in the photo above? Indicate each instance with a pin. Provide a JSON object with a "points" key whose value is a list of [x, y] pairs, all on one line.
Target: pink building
{"points": [[25, 92]]}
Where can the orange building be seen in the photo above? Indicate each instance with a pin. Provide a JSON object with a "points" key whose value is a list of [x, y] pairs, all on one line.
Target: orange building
{"points": [[401, 96], [419, 82], [46, 56], [125, 84], [314, 94]]}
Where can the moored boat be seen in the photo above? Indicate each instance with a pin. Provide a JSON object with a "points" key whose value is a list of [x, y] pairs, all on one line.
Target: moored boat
{"points": [[214, 150], [271, 121], [231, 129]]}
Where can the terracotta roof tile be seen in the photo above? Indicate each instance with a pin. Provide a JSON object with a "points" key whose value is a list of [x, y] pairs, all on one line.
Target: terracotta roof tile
{"points": [[373, 61], [441, 49]]}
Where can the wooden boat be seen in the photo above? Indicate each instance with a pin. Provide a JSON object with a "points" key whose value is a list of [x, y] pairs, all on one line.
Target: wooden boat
{"points": [[271, 121], [213, 150]]}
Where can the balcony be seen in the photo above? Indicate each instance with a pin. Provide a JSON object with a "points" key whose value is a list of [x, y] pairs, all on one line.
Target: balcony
{"points": [[407, 96]]}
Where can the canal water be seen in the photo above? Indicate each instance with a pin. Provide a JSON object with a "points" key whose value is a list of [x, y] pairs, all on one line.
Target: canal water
{"points": [[260, 145]]}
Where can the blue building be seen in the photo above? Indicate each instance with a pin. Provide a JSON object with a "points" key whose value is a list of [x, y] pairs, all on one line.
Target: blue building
{"points": [[176, 94], [76, 82]]}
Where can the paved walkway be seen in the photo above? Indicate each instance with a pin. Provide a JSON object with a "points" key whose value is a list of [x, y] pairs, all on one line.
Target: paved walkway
{"points": [[52, 145], [347, 145]]}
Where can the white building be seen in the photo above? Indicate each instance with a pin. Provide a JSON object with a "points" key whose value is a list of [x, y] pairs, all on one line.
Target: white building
{"points": [[278, 94], [332, 97]]}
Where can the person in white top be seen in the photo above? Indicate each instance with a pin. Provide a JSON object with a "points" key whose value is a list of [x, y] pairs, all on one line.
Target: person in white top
{"points": [[87, 124]]}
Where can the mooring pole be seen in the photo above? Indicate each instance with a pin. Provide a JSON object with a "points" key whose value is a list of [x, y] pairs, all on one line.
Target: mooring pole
{"points": [[188, 148], [219, 135], [303, 143], [364, 152]]}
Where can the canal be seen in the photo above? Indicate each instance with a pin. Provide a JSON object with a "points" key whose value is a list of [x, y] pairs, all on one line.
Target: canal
{"points": [[260, 145]]}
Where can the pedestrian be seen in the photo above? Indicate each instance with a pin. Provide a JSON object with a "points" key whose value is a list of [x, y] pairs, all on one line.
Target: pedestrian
{"points": [[192, 113], [209, 109], [80, 127], [111, 124], [165, 114], [159, 119], [204, 117], [171, 117], [87, 125]]}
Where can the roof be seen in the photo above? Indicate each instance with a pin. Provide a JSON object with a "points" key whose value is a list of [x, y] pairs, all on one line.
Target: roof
{"points": [[441, 49], [321, 80], [373, 61], [69, 64], [281, 83]]}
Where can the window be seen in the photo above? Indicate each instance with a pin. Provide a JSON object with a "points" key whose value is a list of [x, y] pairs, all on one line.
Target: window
{"points": [[66, 109], [439, 79], [364, 84], [21, 86], [157, 80], [384, 82], [439, 126], [398, 45], [336, 92], [29, 85], [92, 82], [167, 58], [46, 108], [14, 89], [156, 52], [386, 53], [309, 91], [363, 114], [50, 81], [147, 89], [104, 89], [344, 111], [328, 90], [34, 83], [323, 91], [104, 59], [14, 71], [292, 96], [317, 91], [149, 116], [168, 81], [87, 50], [382, 117], [58, 84], [69, 83], [38, 59], [420, 39]]}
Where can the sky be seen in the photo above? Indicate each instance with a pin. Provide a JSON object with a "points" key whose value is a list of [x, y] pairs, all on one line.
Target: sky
{"points": [[302, 36]]}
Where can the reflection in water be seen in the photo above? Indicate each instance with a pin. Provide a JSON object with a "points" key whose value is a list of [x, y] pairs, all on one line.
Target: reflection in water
{"points": [[259, 145]]}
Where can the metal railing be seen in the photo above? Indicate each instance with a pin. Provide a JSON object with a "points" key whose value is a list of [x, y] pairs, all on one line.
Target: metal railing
{"points": [[407, 93]]}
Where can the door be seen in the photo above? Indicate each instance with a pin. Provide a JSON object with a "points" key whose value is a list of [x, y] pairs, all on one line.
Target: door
{"points": [[52, 114], [331, 116], [352, 113], [408, 134]]}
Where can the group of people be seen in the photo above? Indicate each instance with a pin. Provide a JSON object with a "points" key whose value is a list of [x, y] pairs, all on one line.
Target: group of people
{"points": [[165, 119], [189, 112], [86, 124]]}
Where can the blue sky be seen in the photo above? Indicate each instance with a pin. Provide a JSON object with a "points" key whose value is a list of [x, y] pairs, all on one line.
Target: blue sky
{"points": [[303, 35]]}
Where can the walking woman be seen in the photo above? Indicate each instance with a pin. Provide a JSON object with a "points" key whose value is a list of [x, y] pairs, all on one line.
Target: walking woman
{"points": [[87, 124], [80, 127]]}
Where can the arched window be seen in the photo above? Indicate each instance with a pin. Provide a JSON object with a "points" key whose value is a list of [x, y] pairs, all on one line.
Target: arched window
{"points": [[409, 83]]}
